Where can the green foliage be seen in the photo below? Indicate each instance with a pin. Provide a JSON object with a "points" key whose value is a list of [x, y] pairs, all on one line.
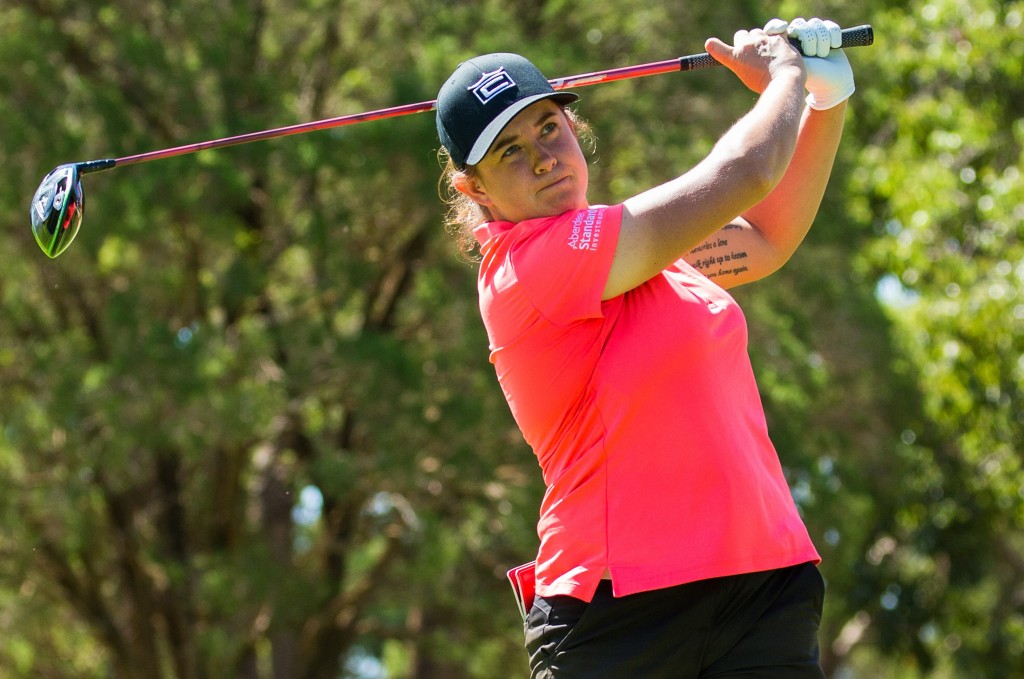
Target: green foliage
{"points": [[938, 180], [247, 423]]}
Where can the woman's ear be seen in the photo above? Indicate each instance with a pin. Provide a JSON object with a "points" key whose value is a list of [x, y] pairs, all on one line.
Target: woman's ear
{"points": [[471, 187]]}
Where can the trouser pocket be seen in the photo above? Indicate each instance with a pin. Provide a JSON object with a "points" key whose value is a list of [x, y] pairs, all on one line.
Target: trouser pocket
{"points": [[549, 628]]}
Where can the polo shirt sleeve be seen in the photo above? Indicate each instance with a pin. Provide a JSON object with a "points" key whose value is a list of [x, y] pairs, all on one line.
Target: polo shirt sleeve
{"points": [[563, 267]]}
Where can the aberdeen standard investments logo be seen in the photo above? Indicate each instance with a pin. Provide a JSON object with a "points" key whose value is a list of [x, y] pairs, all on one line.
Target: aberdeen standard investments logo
{"points": [[586, 230], [491, 85]]}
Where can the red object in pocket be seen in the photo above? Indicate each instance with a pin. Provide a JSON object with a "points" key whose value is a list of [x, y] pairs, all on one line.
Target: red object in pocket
{"points": [[524, 581]]}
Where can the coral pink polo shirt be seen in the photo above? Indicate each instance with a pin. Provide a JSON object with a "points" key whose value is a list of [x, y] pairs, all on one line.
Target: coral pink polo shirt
{"points": [[642, 411]]}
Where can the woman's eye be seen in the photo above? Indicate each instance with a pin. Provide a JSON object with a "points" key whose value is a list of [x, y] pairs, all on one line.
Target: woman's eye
{"points": [[510, 151], [550, 127]]}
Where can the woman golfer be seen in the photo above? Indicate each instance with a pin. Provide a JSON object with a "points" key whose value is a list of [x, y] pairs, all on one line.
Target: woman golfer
{"points": [[669, 543]]}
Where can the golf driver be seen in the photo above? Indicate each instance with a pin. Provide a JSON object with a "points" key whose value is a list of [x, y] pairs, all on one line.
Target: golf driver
{"points": [[58, 205]]}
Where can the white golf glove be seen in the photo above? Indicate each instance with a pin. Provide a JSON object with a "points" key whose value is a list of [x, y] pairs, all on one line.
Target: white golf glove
{"points": [[829, 76]]}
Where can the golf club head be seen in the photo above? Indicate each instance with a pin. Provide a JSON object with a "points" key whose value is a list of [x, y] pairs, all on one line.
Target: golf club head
{"points": [[57, 209]]}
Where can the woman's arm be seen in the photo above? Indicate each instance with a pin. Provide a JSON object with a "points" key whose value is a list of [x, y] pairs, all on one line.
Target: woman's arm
{"points": [[744, 168], [764, 238]]}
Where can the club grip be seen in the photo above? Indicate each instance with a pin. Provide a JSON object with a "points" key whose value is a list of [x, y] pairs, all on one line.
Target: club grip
{"points": [[858, 36]]}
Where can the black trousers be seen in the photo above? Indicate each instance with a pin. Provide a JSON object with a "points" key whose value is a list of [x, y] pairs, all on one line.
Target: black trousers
{"points": [[752, 626]]}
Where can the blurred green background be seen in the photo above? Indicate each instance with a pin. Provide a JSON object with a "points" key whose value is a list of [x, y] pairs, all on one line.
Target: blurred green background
{"points": [[247, 423]]}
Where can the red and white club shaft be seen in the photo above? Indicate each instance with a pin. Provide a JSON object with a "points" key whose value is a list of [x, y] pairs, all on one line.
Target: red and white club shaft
{"points": [[859, 36]]}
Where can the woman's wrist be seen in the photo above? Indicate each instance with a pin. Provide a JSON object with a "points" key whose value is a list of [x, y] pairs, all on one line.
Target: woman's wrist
{"points": [[793, 71]]}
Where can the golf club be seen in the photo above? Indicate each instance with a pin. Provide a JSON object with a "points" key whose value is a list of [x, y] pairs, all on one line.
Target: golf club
{"points": [[58, 205]]}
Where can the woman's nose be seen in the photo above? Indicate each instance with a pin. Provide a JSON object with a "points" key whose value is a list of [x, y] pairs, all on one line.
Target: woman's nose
{"points": [[544, 160]]}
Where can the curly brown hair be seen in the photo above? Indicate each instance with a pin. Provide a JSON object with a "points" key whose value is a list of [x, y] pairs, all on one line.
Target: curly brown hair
{"points": [[464, 214]]}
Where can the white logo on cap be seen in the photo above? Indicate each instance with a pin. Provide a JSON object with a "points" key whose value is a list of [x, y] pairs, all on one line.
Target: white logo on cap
{"points": [[491, 85]]}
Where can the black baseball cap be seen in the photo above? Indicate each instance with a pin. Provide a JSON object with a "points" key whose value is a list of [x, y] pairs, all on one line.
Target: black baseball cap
{"points": [[482, 96]]}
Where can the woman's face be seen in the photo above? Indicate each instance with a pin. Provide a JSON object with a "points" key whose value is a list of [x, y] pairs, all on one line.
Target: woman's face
{"points": [[535, 168]]}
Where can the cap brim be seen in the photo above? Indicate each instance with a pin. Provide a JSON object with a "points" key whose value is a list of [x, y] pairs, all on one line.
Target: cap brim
{"points": [[491, 132]]}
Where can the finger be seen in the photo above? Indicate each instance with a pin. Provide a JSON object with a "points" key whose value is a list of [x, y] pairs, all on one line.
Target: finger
{"points": [[835, 34], [718, 49], [809, 41], [822, 36], [776, 27], [798, 30]]}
